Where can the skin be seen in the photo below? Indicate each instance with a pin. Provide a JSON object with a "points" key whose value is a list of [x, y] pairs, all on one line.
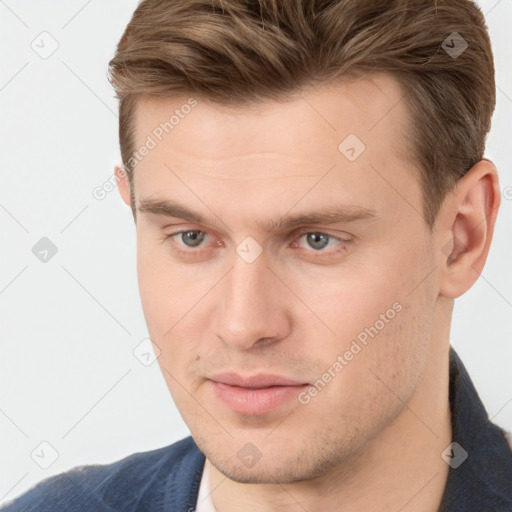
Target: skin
{"points": [[373, 437]]}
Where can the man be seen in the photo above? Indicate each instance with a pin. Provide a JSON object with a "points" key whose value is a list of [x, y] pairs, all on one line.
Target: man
{"points": [[310, 196]]}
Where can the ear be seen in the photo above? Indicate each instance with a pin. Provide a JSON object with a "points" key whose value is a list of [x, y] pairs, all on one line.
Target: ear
{"points": [[123, 184], [467, 228]]}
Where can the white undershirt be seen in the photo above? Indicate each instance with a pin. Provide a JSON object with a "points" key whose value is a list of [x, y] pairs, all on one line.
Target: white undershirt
{"points": [[204, 501]]}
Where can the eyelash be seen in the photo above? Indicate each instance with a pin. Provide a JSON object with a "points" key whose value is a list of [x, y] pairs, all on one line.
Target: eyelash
{"points": [[295, 237]]}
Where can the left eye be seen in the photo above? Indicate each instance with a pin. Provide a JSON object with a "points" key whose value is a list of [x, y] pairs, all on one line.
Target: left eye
{"points": [[317, 241], [196, 237]]}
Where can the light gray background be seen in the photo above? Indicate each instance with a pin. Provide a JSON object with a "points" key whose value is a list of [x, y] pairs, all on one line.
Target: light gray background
{"points": [[68, 374]]}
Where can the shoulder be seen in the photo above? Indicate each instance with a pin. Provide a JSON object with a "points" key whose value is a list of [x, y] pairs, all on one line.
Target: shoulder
{"points": [[144, 477]]}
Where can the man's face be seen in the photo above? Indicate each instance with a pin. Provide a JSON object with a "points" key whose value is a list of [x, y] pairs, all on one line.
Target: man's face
{"points": [[243, 292]]}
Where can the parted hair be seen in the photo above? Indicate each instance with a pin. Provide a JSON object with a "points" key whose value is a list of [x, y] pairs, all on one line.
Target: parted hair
{"points": [[241, 52]]}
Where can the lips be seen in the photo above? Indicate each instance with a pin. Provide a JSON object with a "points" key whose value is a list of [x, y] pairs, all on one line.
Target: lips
{"points": [[255, 395], [261, 380]]}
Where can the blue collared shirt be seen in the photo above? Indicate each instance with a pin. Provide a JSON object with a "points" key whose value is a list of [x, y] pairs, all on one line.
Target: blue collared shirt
{"points": [[168, 479]]}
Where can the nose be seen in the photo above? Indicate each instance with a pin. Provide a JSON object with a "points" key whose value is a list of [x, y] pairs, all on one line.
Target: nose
{"points": [[254, 307]]}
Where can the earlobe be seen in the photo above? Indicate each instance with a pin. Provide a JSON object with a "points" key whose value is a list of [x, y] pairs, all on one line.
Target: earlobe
{"points": [[470, 217], [123, 183]]}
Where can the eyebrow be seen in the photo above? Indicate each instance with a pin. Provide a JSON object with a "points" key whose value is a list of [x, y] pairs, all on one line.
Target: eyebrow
{"points": [[329, 215]]}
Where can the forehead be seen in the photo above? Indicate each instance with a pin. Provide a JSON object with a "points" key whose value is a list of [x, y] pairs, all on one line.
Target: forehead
{"points": [[311, 121], [339, 143]]}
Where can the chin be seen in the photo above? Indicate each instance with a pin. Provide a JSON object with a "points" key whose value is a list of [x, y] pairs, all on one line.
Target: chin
{"points": [[276, 465], [259, 474]]}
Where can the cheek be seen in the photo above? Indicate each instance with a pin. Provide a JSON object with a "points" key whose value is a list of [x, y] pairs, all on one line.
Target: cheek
{"points": [[156, 291], [383, 332], [166, 291], [350, 300], [375, 380], [172, 310]]}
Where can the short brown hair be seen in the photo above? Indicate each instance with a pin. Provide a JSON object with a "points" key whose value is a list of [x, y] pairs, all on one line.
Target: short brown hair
{"points": [[238, 52]]}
